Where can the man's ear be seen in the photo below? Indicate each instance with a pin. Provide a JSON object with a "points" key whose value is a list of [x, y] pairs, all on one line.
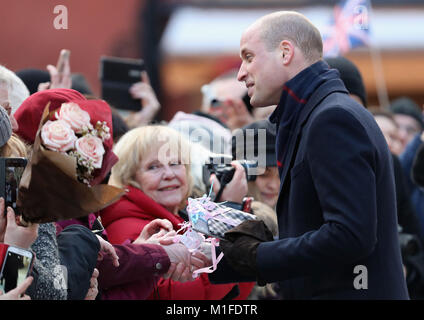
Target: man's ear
{"points": [[287, 51]]}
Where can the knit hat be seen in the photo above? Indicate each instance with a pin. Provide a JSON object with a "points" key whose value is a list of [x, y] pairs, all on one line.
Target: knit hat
{"points": [[252, 148], [350, 76], [406, 106], [5, 127]]}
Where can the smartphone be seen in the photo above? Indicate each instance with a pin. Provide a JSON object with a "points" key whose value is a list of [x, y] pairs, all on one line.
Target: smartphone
{"points": [[61, 62], [117, 75], [17, 266], [11, 170]]}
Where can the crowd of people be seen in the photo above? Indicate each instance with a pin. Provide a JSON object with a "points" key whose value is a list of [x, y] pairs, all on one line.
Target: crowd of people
{"points": [[341, 183]]}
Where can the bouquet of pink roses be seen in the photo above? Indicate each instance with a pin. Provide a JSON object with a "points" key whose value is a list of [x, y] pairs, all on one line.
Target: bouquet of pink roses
{"points": [[73, 134], [71, 157]]}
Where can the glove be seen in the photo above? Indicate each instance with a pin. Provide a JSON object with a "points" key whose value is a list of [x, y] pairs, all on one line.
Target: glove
{"points": [[241, 245]]}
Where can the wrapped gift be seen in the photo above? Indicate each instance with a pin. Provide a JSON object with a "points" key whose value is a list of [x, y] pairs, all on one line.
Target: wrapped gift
{"points": [[214, 219]]}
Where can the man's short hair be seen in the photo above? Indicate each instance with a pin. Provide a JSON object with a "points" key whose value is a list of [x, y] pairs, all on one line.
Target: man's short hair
{"points": [[293, 26]]}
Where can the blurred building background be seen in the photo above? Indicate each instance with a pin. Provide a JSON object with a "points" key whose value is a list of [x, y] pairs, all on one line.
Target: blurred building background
{"points": [[185, 44]]}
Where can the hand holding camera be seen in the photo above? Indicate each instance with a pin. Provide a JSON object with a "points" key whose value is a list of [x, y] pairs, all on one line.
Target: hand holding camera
{"points": [[236, 189]]}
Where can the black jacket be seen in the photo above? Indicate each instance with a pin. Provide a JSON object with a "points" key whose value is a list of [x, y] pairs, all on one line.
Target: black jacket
{"points": [[337, 206]]}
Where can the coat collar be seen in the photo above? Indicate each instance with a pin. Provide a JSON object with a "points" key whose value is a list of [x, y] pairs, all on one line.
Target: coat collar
{"points": [[328, 87]]}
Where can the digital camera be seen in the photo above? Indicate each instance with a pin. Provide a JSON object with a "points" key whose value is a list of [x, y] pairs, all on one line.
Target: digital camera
{"points": [[224, 171]]}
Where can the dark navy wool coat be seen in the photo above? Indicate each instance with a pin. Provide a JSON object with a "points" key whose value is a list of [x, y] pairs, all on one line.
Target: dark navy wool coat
{"points": [[337, 207]]}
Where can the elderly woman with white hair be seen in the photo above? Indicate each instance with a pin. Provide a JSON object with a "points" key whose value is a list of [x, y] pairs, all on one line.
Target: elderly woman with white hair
{"points": [[154, 168], [12, 93]]}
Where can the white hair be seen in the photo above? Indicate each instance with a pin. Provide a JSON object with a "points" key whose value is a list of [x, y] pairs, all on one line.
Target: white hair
{"points": [[16, 88]]}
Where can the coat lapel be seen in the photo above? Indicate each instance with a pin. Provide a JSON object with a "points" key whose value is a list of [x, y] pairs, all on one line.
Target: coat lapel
{"points": [[334, 85]]}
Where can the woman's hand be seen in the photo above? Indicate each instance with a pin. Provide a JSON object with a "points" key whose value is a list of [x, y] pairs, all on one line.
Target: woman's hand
{"points": [[156, 228]]}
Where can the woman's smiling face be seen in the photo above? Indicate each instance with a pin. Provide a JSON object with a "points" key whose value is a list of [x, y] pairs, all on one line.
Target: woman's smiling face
{"points": [[163, 180]]}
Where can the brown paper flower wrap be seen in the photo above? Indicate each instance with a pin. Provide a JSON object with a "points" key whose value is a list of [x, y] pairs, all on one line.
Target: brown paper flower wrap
{"points": [[49, 190]]}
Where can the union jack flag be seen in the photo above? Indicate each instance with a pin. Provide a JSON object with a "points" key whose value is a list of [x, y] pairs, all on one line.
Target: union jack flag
{"points": [[348, 28]]}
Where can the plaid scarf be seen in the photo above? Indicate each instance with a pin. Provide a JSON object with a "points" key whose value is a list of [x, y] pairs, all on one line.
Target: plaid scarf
{"points": [[295, 95]]}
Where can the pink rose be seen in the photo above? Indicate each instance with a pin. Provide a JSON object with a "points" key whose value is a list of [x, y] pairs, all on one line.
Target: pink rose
{"points": [[58, 136], [78, 119], [91, 148]]}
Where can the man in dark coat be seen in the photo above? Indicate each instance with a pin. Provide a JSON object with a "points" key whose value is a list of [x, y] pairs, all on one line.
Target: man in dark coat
{"points": [[336, 210]]}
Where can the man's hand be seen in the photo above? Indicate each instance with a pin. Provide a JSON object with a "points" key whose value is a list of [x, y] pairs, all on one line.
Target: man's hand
{"points": [[18, 236], [241, 244], [107, 249], [236, 189], [18, 292]]}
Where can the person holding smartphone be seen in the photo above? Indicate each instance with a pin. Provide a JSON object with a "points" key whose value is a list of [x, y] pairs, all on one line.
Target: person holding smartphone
{"points": [[20, 239], [135, 259], [19, 292], [150, 105], [60, 75]]}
